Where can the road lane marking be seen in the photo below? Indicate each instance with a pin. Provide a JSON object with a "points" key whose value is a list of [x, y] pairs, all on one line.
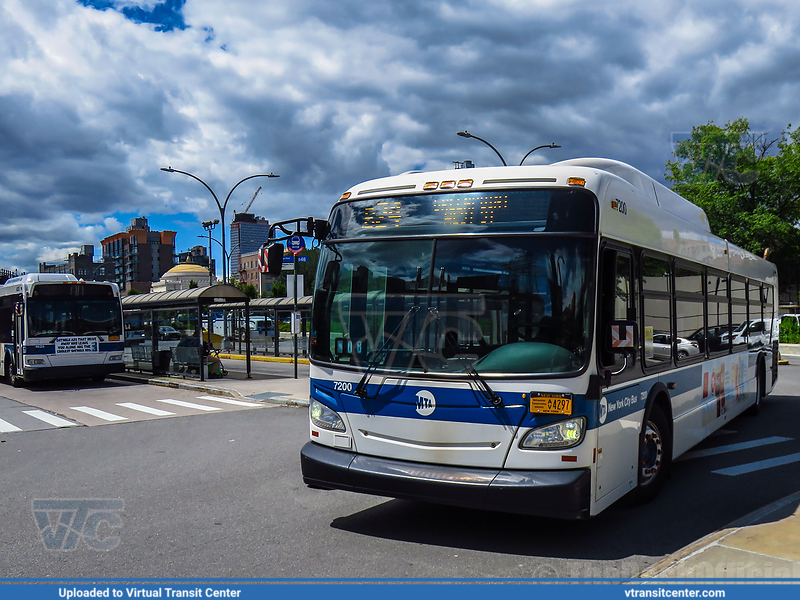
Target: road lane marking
{"points": [[146, 409], [229, 401], [760, 465], [733, 447], [48, 418], [6, 427], [100, 414], [189, 404]]}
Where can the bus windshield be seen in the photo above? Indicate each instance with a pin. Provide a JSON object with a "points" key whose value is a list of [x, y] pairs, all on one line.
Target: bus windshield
{"points": [[50, 316], [495, 303]]}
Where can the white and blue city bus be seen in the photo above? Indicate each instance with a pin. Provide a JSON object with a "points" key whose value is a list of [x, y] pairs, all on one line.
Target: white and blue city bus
{"points": [[53, 326], [485, 337]]}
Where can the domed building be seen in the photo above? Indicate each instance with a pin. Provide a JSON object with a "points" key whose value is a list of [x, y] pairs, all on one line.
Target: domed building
{"points": [[180, 277]]}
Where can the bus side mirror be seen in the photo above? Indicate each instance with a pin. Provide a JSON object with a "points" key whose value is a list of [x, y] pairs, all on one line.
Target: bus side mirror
{"points": [[321, 229], [274, 259], [622, 338]]}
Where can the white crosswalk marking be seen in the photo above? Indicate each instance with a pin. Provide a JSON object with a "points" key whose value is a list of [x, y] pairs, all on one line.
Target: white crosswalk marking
{"points": [[734, 447], [100, 414], [759, 465], [190, 404], [228, 401], [6, 427], [146, 409], [48, 418]]}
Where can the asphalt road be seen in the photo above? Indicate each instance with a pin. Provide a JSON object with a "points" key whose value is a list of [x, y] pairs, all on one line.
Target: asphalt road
{"points": [[220, 494]]}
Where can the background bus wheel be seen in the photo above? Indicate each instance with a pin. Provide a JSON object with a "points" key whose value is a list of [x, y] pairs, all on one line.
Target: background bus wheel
{"points": [[655, 451]]}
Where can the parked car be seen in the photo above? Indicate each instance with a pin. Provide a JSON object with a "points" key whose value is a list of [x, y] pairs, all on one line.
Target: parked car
{"points": [[662, 346], [755, 332], [715, 337], [167, 332]]}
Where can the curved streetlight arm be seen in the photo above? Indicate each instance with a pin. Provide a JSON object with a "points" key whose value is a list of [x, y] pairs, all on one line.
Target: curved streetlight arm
{"points": [[553, 145], [221, 207], [466, 134], [171, 170], [228, 197]]}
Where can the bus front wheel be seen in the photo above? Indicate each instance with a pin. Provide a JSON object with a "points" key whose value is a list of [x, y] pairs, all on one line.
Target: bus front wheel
{"points": [[655, 449]]}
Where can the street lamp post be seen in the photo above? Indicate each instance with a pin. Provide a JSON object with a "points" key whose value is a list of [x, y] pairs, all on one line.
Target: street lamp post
{"points": [[208, 226], [222, 206], [466, 134], [553, 145]]}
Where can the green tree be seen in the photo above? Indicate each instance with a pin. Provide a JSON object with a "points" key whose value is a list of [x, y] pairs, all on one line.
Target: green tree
{"points": [[750, 195], [192, 284]]}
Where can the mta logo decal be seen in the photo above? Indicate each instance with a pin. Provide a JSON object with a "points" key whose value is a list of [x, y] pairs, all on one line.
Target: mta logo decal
{"points": [[426, 403]]}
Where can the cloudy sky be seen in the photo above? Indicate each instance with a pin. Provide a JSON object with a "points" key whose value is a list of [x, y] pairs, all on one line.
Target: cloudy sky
{"points": [[97, 95]]}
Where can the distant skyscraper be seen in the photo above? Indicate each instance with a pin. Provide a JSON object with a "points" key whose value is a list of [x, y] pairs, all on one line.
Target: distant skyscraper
{"points": [[139, 256], [248, 233]]}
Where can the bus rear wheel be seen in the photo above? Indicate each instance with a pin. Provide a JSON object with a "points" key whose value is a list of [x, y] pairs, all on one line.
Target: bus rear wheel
{"points": [[756, 407], [654, 455]]}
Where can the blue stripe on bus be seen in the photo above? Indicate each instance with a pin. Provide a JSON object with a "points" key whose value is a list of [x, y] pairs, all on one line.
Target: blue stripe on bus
{"points": [[442, 404], [469, 406]]}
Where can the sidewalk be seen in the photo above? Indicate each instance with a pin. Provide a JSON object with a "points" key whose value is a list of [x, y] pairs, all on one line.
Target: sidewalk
{"points": [[763, 545], [275, 390]]}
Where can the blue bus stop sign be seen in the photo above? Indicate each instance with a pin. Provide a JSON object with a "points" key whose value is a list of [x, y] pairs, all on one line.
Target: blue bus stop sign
{"points": [[296, 244]]}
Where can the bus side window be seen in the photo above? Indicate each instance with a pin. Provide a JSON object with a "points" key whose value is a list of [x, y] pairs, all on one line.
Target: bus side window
{"points": [[617, 296]]}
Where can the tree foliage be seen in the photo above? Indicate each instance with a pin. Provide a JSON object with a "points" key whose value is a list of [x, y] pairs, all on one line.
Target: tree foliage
{"points": [[750, 194]]}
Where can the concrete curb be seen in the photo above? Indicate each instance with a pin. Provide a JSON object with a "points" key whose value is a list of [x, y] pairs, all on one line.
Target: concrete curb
{"points": [[176, 384]]}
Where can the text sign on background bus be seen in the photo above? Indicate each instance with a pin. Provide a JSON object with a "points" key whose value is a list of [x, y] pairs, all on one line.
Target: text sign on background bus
{"points": [[76, 344], [551, 403]]}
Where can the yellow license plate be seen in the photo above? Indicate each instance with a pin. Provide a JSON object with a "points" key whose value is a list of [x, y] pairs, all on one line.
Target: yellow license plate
{"points": [[551, 404]]}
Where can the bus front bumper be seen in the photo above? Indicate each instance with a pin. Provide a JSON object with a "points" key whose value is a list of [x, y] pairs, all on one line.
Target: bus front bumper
{"points": [[561, 494], [72, 371]]}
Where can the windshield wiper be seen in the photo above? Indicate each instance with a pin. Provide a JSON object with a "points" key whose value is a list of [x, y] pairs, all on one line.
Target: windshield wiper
{"points": [[361, 388], [483, 386]]}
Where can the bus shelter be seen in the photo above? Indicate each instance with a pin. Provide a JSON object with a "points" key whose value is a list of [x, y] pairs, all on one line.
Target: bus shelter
{"points": [[165, 331], [267, 319]]}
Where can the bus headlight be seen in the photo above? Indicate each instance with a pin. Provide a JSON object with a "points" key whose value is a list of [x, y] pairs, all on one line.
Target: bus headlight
{"points": [[114, 357], [324, 417], [35, 361], [556, 436]]}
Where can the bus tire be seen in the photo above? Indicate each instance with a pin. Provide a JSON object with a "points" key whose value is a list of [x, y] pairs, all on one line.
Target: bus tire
{"points": [[756, 408], [655, 450]]}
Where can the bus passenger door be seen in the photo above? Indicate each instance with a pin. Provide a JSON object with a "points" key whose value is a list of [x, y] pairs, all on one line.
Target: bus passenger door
{"points": [[618, 364], [18, 335]]}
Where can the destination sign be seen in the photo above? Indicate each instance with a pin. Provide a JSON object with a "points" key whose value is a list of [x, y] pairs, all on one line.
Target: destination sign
{"points": [[533, 210]]}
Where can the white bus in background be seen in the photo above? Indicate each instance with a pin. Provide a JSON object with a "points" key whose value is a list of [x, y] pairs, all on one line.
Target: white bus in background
{"points": [[53, 326], [486, 337]]}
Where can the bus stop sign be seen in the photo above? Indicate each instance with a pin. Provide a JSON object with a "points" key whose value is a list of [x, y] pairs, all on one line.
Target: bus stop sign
{"points": [[296, 244]]}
